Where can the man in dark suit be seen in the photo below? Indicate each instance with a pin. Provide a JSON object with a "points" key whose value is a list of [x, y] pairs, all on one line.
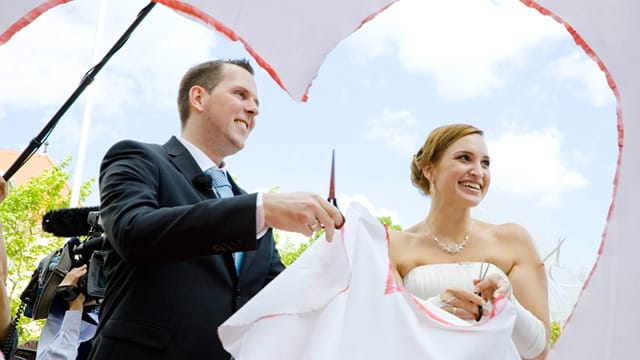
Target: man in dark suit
{"points": [[171, 277]]}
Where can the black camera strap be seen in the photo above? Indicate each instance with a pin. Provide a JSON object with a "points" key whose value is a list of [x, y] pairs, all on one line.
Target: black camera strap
{"points": [[49, 280], [10, 344]]}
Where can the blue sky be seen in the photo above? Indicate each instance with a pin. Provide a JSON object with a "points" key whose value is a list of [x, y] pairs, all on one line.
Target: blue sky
{"points": [[548, 115]]}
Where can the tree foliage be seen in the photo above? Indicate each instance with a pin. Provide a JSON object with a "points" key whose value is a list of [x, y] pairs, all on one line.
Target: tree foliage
{"points": [[21, 215], [555, 331]]}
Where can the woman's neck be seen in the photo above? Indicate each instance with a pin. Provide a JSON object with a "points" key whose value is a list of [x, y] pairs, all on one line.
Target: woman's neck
{"points": [[449, 225]]}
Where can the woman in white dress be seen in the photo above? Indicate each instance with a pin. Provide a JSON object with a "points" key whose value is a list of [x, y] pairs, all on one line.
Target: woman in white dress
{"points": [[442, 258]]}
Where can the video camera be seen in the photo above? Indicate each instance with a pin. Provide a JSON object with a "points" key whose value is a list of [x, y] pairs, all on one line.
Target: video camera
{"points": [[89, 252], [84, 246]]}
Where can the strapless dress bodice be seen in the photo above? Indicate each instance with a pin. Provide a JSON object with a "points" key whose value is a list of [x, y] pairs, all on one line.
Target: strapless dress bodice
{"points": [[425, 281]]}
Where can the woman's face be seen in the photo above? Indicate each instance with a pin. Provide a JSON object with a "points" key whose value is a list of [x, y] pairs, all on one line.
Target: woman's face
{"points": [[463, 171]]}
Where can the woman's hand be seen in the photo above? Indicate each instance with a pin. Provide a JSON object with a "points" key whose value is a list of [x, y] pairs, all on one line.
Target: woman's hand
{"points": [[472, 305], [492, 287], [462, 303]]}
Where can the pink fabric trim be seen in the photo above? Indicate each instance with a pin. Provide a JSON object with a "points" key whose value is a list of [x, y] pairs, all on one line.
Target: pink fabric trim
{"points": [[612, 84], [391, 286], [29, 18], [498, 299], [370, 17]]}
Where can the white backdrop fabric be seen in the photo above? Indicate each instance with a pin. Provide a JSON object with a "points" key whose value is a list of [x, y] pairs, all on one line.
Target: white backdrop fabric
{"points": [[291, 38], [14, 15], [606, 322], [288, 38]]}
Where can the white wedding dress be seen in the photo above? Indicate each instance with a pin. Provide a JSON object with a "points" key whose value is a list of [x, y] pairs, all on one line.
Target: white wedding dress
{"points": [[427, 281], [339, 301]]}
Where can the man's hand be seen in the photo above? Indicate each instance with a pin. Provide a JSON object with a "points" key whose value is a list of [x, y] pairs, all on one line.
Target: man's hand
{"points": [[74, 275], [71, 279], [303, 213]]}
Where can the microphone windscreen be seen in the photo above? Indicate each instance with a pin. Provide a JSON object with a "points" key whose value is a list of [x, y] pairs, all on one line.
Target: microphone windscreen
{"points": [[68, 222]]}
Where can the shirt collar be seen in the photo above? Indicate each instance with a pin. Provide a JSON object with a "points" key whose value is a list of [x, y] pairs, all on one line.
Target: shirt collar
{"points": [[199, 156]]}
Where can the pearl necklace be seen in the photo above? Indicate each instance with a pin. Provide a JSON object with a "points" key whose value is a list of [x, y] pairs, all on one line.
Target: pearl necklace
{"points": [[449, 248]]}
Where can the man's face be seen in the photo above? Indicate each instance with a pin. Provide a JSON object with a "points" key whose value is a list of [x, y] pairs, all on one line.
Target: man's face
{"points": [[229, 111]]}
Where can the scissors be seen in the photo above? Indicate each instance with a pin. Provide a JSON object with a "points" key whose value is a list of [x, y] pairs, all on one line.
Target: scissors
{"points": [[481, 276], [332, 191]]}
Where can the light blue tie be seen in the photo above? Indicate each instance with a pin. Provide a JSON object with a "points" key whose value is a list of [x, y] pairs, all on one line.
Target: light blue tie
{"points": [[222, 187], [220, 182]]}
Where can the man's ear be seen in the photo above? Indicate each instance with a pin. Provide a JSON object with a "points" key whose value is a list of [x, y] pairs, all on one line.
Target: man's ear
{"points": [[196, 97]]}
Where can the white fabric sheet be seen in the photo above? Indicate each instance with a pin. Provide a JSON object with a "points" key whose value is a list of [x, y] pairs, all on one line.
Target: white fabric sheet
{"points": [[338, 301]]}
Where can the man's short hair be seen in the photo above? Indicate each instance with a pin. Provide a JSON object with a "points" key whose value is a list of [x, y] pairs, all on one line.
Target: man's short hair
{"points": [[207, 75]]}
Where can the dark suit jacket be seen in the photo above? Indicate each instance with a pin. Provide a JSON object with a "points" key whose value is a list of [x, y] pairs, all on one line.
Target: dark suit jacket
{"points": [[170, 275]]}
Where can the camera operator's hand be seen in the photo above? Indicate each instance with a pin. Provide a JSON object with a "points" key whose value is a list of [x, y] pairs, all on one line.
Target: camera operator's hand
{"points": [[4, 189], [71, 280]]}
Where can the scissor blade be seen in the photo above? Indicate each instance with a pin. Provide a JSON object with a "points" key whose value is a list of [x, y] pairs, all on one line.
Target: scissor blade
{"points": [[332, 185]]}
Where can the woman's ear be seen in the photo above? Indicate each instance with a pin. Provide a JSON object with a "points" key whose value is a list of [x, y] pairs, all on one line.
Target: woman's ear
{"points": [[427, 172]]}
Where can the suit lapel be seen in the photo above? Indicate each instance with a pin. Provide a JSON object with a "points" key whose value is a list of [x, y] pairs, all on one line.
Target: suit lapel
{"points": [[188, 167]]}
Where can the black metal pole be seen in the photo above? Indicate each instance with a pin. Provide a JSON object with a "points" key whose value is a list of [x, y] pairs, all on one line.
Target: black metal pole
{"points": [[87, 79]]}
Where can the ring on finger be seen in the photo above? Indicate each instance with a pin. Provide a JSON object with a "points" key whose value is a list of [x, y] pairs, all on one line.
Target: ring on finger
{"points": [[313, 226], [454, 310]]}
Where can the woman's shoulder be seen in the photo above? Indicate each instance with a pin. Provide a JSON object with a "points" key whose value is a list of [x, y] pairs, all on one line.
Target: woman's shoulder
{"points": [[509, 235], [508, 230], [403, 236]]}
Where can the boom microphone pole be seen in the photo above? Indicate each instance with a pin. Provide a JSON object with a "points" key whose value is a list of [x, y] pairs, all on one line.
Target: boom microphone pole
{"points": [[87, 79]]}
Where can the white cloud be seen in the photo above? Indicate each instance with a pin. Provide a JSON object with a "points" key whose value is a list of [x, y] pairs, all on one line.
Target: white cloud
{"points": [[146, 67], [44, 65], [346, 200], [592, 81], [396, 130], [50, 56], [460, 43], [535, 164]]}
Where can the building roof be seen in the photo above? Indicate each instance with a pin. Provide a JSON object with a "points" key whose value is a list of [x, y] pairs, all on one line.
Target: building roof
{"points": [[34, 167]]}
